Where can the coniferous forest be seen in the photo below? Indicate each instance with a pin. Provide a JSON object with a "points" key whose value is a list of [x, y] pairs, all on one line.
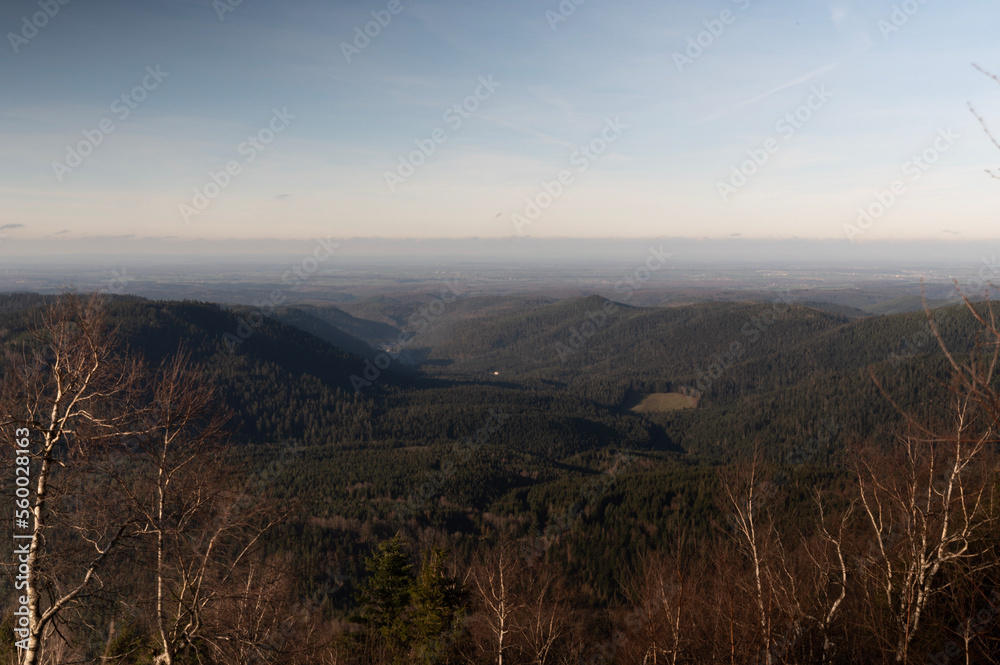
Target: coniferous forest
{"points": [[827, 496]]}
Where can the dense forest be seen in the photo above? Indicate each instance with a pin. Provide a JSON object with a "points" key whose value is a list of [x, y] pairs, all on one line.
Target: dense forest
{"points": [[390, 484]]}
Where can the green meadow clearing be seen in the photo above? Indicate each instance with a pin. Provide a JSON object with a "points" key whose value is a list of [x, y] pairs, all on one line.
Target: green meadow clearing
{"points": [[664, 402]]}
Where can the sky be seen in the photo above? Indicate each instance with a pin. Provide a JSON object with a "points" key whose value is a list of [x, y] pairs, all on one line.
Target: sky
{"points": [[202, 120]]}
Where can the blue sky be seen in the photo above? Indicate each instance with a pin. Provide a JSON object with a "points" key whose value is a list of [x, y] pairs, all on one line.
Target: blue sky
{"points": [[668, 172]]}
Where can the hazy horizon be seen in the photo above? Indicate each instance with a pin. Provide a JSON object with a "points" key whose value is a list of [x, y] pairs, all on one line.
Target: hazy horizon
{"points": [[587, 119], [568, 250]]}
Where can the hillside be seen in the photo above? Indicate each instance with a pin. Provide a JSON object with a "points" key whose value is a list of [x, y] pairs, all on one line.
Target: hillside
{"points": [[499, 426]]}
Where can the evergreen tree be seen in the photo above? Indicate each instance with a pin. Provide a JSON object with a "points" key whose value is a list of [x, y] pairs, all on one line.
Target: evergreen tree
{"points": [[385, 594], [437, 607]]}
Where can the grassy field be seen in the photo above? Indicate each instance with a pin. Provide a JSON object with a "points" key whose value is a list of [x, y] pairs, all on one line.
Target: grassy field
{"points": [[665, 402]]}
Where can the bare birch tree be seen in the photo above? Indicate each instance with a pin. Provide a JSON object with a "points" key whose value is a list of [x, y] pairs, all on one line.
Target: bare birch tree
{"points": [[494, 582], [73, 390], [211, 594], [546, 617], [929, 500], [664, 600], [745, 498]]}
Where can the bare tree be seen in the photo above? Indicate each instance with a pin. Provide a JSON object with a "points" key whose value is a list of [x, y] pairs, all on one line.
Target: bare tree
{"points": [[928, 501], [746, 495], [494, 581], [989, 134], [130, 474], [211, 593], [664, 599], [827, 556], [546, 616], [74, 392]]}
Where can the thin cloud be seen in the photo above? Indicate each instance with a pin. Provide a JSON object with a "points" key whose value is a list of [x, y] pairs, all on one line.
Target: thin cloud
{"points": [[11, 226], [839, 14], [764, 95]]}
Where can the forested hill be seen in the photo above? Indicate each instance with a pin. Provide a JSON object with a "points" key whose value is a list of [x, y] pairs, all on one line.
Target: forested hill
{"points": [[500, 426], [754, 366], [280, 382], [580, 339]]}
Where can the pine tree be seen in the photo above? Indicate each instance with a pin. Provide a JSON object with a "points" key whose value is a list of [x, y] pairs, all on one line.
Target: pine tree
{"points": [[437, 605], [385, 594]]}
